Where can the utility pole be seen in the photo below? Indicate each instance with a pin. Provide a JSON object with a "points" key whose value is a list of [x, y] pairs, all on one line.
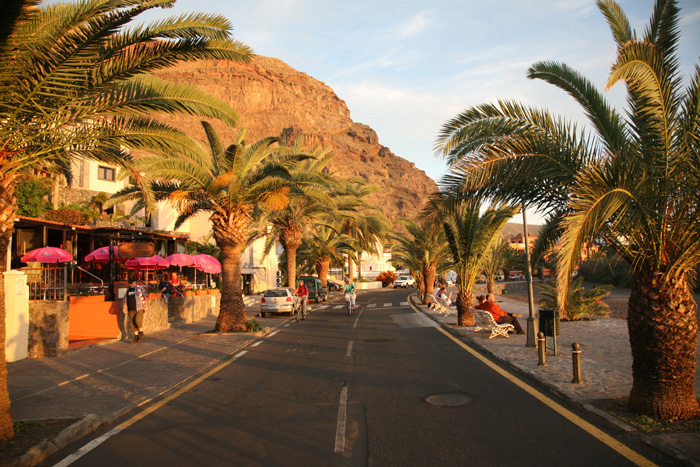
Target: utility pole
{"points": [[532, 322]]}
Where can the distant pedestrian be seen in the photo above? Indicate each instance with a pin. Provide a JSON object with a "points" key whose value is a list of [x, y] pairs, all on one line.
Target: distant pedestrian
{"points": [[134, 306]]}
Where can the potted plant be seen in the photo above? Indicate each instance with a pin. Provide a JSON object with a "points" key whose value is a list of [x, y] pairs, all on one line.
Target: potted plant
{"points": [[86, 296], [153, 292]]}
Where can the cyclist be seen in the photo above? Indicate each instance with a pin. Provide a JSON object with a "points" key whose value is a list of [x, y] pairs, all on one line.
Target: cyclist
{"points": [[349, 289], [302, 291]]}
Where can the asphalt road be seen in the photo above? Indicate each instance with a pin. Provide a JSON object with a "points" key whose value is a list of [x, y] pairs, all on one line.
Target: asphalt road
{"points": [[382, 387]]}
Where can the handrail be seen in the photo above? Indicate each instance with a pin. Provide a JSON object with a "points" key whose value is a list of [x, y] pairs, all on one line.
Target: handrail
{"points": [[91, 274]]}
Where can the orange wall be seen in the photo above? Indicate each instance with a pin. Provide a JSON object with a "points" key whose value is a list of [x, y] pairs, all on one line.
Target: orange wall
{"points": [[96, 320]]}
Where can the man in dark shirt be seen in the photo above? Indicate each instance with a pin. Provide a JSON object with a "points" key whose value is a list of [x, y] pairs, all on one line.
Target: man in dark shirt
{"points": [[134, 306], [166, 288]]}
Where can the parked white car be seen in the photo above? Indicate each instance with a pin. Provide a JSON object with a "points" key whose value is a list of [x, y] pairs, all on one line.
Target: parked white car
{"points": [[404, 281], [278, 300]]}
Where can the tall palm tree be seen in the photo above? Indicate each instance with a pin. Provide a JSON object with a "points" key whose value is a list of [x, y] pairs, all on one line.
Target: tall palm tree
{"points": [[424, 247], [470, 236], [310, 203], [323, 247], [359, 218], [72, 84], [227, 183], [633, 183]]}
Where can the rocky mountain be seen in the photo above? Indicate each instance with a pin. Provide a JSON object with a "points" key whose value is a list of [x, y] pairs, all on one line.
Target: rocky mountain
{"points": [[272, 97]]}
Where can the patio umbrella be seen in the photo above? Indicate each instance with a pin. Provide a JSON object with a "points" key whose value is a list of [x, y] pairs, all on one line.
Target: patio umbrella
{"points": [[47, 254], [181, 259], [210, 265], [150, 263], [101, 255]]}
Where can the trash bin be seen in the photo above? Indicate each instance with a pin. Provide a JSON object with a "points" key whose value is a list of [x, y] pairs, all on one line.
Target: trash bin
{"points": [[549, 322]]}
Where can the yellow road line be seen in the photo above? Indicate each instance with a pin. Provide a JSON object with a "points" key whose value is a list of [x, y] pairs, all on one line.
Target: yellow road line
{"points": [[572, 417]]}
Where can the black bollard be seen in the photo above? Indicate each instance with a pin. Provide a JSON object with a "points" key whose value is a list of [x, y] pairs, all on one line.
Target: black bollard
{"points": [[576, 359], [541, 348]]}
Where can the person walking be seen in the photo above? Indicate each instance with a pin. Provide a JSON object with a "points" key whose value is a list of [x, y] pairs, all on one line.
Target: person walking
{"points": [[302, 291], [134, 307]]}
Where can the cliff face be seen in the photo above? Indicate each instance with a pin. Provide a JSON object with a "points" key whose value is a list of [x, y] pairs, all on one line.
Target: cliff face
{"points": [[271, 97]]}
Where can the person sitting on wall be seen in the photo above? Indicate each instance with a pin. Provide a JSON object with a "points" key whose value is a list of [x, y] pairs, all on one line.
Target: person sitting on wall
{"points": [[442, 295], [134, 306], [166, 288], [499, 316]]}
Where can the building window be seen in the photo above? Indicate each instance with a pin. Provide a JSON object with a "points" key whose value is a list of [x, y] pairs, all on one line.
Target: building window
{"points": [[106, 173]]}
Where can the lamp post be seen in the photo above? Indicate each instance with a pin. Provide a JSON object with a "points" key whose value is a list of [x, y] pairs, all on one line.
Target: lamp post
{"points": [[532, 321]]}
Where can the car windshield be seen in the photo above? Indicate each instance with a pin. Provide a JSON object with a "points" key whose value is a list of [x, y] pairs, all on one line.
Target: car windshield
{"points": [[275, 293]]}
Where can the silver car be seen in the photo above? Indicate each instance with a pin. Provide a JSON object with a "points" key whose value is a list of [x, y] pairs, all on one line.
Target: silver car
{"points": [[278, 300]]}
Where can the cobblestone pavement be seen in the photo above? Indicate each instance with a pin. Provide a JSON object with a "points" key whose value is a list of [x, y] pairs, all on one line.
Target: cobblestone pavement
{"points": [[606, 365]]}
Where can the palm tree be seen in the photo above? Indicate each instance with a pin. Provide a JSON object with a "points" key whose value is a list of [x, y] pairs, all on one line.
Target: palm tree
{"points": [[424, 248], [323, 247], [494, 261], [228, 183], [470, 237], [361, 220], [309, 204], [633, 183], [72, 84]]}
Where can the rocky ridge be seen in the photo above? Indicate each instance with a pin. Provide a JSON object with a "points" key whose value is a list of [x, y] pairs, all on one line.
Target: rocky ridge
{"points": [[272, 97]]}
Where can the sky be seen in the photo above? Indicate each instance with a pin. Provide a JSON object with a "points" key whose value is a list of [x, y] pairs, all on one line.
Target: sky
{"points": [[405, 67]]}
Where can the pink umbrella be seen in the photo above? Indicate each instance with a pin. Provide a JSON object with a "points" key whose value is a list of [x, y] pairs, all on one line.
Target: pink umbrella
{"points": [[181, 259], [150, 263], [47, 254], [210, 264], [101, 255]]}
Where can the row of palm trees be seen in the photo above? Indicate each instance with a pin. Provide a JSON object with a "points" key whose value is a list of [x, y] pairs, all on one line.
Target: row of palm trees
{"points": [[74, 85], [632, 180], [272, 189]]}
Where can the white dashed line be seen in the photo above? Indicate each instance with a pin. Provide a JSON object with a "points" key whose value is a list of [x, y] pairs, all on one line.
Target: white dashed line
{"points": [[255, 344], [273, 333], [349, 352], [387, 305], [342, 414]]}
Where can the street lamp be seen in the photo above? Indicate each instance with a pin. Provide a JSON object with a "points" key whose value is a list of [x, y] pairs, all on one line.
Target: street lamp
{"points": [[532, 321]]}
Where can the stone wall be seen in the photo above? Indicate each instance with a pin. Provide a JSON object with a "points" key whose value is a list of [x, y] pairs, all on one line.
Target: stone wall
{"points": [[48, 328], [191, 309]]}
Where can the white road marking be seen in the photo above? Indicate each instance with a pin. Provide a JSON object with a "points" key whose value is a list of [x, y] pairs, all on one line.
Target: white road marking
{"points": [[339, 307], [349, 352], [404, 304], [273, 333], [387, 305], [255, 344], [371, 305], [322, 307], [342, 415], [240, 354], [285, 325]]}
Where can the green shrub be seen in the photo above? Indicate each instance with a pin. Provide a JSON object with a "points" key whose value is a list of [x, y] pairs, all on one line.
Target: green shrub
{"points": [[581, 304], [253, 326], [31, 196], [387, 278]]}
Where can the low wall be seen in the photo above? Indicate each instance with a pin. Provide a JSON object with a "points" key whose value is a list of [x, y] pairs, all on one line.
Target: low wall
{"points": [[49, 321], [191, 309], [49, 328]]}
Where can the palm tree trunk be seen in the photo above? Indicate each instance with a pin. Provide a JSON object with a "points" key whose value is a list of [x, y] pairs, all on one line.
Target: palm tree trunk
{"points": [[464, 301], [490, 285], [291, 240], [420, 282], [351, 268], [322, 267], [232, 313], [429, 273], [663, 330], [8, 209]]}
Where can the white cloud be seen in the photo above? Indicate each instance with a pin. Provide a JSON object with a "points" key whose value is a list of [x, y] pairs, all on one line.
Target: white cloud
{"points": [[415, 25]]}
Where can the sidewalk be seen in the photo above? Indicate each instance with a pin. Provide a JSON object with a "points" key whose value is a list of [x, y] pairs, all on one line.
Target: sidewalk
{"points": [[606, 366]]}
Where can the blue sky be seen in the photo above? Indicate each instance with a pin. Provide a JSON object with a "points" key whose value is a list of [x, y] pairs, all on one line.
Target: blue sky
{"points": [[405, 67]]}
